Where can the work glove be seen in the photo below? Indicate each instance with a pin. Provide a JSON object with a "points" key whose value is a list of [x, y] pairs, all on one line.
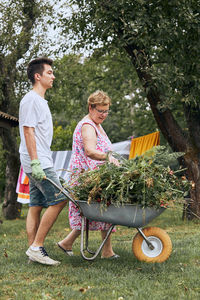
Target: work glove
{"points": [[37, 171]]}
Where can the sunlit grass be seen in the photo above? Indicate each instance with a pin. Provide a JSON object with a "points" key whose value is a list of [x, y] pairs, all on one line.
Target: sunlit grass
{"points": [[125, 278]]}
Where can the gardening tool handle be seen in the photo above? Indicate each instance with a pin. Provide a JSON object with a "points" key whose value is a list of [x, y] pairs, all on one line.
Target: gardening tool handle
{"points": [[62, 190]]}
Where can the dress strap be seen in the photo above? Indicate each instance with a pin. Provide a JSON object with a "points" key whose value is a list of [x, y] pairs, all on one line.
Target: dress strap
{"points": [[87, 121]]}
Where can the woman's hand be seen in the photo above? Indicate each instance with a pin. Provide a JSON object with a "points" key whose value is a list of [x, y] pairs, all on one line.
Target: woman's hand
{"points": [[113, 160]]}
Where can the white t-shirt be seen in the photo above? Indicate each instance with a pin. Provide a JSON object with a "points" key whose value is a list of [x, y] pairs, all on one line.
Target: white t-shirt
{"points": [[34, 112]]}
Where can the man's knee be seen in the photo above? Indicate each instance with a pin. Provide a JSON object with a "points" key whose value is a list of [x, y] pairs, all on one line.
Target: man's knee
{"points": [[60, 204], [35, 210]]}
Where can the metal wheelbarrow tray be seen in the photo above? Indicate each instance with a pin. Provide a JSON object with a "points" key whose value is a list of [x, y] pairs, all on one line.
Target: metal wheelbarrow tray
{"points": [[150, 244], [130, 215]]}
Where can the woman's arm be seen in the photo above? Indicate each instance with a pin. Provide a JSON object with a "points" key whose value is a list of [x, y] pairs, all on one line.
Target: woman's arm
{"points": [[89, 143]]}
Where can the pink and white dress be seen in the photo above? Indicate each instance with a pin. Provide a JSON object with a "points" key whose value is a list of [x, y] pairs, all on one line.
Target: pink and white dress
{"points": [[80, 161]]}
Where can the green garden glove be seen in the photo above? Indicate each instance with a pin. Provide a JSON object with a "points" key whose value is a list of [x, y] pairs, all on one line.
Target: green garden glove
{"points": [[37, 171]]}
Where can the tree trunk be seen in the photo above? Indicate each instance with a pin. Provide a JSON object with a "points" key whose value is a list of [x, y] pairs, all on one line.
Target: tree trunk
{"points": [[11, 208], [177, 139], [192, 206], [30, 11]]}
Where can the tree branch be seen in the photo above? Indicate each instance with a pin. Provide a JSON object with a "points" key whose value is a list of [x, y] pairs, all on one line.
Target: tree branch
{"points": [[192, 114], [165, 120], [30, 12]]}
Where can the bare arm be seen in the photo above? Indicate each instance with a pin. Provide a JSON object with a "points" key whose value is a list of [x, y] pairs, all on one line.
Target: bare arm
{"points": [[89, 143], [29, 134]]}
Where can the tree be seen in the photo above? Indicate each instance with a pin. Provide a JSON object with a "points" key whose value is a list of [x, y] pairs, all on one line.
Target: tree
{"points": [[17, 28], [161, 38], [77, 78]]}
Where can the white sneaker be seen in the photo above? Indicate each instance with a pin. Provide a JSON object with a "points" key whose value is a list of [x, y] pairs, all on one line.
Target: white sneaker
{"points": [[41, 256], [31, 260]]}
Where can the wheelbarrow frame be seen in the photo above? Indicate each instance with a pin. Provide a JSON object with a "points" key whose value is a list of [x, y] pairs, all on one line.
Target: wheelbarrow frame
{"points": [[130, 215]]}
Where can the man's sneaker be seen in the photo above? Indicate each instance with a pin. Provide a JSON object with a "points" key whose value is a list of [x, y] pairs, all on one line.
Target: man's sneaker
{"points": [[31, 260], [41, 256]]}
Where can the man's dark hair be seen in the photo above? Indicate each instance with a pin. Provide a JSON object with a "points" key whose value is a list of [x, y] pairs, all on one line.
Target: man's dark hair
{"points": [[37, 66]]}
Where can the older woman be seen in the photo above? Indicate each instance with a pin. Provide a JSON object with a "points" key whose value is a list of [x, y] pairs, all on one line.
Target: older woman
{"points": [[91, 147]]}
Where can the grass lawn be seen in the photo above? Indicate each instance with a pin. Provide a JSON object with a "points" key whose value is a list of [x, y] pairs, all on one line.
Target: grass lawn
{"points": [[125, 278]]}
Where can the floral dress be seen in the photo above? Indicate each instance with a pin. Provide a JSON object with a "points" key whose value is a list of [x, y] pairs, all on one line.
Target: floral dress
{"points": [[80, 161]]}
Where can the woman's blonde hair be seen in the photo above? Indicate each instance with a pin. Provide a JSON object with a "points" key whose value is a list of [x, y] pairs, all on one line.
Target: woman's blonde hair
{"points": [[98, 98]]}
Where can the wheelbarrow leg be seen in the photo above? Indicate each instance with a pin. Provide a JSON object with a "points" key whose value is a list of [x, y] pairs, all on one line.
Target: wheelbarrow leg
{"points": [[150, 245], [87, 238], [82, 240]]}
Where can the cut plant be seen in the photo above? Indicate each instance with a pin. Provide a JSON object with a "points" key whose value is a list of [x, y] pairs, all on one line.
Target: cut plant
{"points": [[147, 180]]}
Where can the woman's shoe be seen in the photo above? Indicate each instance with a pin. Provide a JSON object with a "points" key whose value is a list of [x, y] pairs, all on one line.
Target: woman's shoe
{"points": [[112, 257], [67, 252]]}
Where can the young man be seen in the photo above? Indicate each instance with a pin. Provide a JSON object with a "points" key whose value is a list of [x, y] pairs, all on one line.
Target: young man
{"points": [[36, 131]]}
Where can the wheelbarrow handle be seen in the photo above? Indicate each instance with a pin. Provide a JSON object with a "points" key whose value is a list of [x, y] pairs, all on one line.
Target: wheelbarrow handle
{"points": [[62, 190]]}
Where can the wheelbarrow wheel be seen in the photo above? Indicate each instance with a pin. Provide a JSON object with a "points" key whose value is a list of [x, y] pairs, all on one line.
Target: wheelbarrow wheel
{"points": [[159, 239]]}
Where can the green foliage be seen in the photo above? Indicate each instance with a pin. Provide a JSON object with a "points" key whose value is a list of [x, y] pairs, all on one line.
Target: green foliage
{"points": [[169, 32], [163, 40], [62, 137], [147, 180], [23, 29], [23, 36], [78, 77]]}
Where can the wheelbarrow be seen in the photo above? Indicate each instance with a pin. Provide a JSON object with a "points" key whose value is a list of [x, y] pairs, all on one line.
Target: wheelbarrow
{"points": [[150, 244]]}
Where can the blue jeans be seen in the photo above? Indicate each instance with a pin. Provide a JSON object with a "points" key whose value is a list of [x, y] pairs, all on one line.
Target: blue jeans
{"points": [[43, 193]]}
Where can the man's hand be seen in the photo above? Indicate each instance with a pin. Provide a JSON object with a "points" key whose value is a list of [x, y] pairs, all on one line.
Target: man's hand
{"points": [[37, 171]]}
